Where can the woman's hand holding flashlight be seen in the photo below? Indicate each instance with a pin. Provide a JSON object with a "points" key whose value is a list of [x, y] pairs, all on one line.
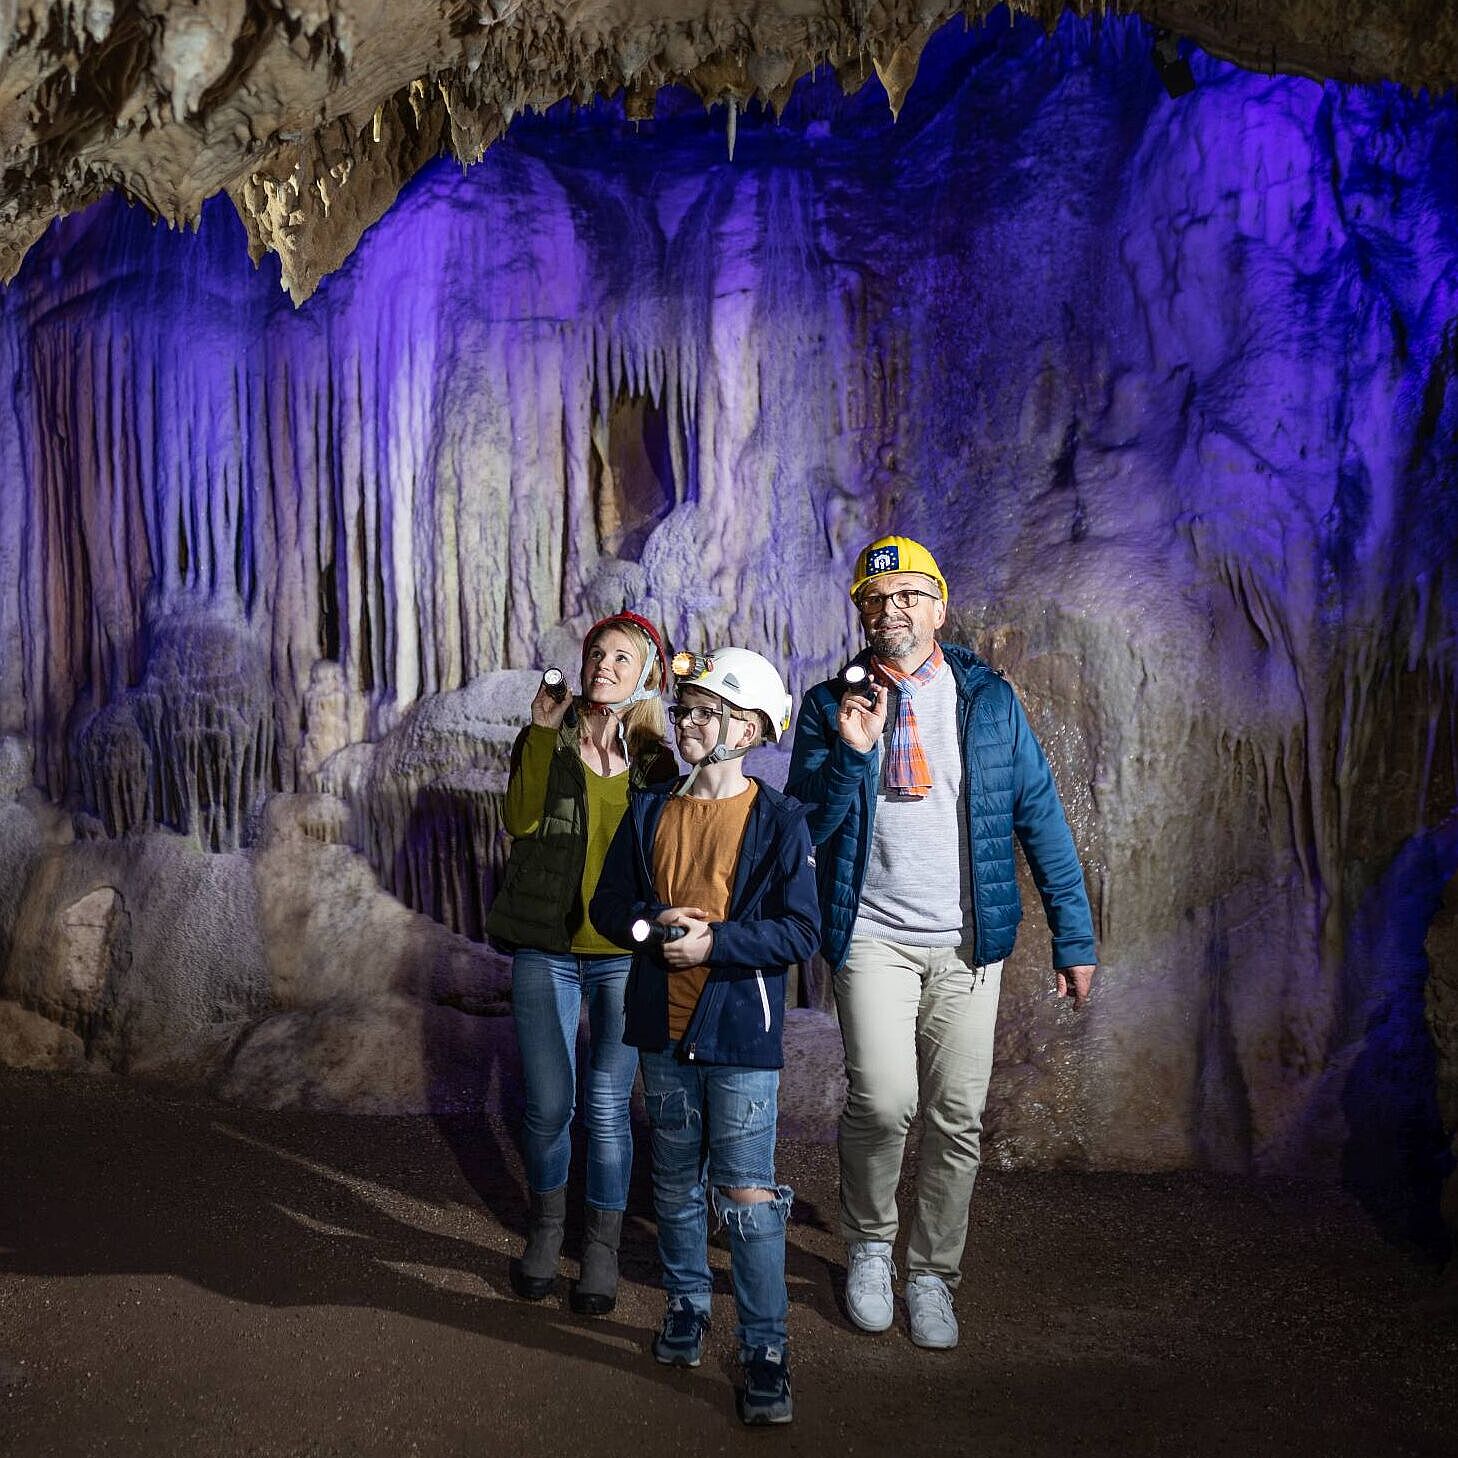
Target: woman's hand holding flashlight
{"points": [[549, 707]]}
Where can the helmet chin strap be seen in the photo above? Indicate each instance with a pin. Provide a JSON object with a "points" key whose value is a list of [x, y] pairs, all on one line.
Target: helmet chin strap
{"points": [[641, 693], [611, 711], [719, 753]]}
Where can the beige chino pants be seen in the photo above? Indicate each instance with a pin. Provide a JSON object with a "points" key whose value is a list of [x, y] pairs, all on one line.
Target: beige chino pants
{"points": [[918, 1025]]}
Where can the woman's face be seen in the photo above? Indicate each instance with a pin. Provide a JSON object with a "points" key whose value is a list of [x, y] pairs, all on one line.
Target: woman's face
{"points": [[610, 667]]}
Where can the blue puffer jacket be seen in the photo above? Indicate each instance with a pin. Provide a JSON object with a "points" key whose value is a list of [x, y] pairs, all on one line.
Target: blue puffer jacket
{"points": [[1009, 790], [774, 919]]}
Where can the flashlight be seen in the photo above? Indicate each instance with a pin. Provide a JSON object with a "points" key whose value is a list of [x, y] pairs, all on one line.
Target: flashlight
{"points": [[856, 680], [691, 665], [656, 931], [555, 684]]}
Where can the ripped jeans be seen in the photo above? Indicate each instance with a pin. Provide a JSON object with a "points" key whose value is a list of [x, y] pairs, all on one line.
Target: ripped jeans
{"points": [[714, 1125]]}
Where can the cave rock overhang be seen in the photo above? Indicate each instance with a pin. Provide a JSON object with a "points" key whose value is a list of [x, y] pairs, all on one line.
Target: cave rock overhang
{"points": [[312, 114]]}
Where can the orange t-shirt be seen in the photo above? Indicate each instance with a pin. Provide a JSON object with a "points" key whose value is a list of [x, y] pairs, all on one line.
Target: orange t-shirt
{"points": [[695, 855]]}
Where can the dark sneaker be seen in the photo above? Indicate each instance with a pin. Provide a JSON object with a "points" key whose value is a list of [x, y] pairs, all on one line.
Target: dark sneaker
{"points": [[766, 1397], [680, 1340]]}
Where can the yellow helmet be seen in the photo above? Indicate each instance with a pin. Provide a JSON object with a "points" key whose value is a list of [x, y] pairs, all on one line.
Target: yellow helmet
{"points": [[896, 554]]}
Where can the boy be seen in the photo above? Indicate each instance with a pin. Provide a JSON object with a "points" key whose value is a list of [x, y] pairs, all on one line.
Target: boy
{"points": [[715, 877]]}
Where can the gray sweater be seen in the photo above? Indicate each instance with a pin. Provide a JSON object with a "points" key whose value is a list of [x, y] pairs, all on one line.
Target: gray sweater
{"points": [[917, 888]]}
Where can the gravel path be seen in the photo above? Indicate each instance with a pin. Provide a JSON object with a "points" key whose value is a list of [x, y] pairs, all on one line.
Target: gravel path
{"points": [[184, 1277]]}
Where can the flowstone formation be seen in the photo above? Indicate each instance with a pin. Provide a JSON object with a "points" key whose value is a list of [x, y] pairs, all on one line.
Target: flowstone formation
{"points": [[1171, 387], [192, 745]]}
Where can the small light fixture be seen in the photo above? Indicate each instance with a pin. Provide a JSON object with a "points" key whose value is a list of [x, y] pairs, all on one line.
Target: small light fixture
{"points": [[1174, 69]]}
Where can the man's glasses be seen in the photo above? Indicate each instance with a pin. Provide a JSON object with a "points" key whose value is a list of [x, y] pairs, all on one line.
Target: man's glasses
{"points": [[872, 604]]}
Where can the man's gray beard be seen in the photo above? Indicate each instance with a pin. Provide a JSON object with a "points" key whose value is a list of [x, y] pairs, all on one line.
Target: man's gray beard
{"points": [[892, 642]]}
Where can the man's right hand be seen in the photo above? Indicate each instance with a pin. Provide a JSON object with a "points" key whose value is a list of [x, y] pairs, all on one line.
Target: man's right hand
{"points": [[860, 721], [547, 712]]}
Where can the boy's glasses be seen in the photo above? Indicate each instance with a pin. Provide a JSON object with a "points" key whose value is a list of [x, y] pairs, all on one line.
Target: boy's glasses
{"points": [[872, 604], [695, 714], [698, 714]]}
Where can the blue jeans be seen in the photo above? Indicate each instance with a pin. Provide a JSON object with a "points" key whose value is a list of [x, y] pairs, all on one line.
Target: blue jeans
{"points": [[547, 990], [715, 1125]]}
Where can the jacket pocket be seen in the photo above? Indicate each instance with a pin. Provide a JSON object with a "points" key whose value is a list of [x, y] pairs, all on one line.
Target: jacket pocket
{"points": [[763, 997]]}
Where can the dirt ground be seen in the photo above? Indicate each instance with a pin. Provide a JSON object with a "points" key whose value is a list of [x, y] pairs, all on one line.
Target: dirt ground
{"points": [[185, 1277]]}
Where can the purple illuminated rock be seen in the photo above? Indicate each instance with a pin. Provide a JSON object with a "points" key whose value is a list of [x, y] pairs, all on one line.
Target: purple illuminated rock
{"points": [[1171, 389]]}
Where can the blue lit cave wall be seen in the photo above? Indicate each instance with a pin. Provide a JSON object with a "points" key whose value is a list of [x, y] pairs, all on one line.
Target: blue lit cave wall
{"points": [[1171, 387]]}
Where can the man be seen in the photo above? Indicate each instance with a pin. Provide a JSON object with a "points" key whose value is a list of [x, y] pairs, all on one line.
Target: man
{"points": [[917, 783]]}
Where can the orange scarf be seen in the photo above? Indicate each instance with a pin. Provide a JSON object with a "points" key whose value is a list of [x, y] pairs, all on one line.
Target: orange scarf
{"points": [[907, 771]]}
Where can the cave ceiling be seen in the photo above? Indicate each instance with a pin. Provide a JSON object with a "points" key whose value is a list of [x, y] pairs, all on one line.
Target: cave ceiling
{"points": [[312, 114]]}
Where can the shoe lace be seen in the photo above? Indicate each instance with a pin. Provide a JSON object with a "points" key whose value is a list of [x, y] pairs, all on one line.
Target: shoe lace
{"points": [[871, 1268], [765, 1367], [682, 1321], [936, 1295]]}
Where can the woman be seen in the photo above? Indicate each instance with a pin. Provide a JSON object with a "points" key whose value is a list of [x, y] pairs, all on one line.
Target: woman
{"points": [[571, 769]]}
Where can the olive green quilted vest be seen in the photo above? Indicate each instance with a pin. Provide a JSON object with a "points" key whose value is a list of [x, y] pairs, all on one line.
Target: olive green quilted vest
{"points": [[539, 902]]}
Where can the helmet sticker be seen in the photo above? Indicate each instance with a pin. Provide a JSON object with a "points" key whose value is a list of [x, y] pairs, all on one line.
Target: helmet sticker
{"points": [[883, 559]]}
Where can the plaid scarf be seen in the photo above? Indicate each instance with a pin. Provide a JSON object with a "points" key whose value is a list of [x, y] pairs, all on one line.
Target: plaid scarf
{"points": [[907, 771]]}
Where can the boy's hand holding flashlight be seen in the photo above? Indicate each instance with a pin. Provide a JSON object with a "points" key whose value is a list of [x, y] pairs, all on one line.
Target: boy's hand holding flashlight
{"points": [[684, 933]]}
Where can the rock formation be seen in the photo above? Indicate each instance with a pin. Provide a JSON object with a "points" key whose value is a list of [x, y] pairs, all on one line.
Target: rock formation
{"points": [[311, 114], [1172, 386]]}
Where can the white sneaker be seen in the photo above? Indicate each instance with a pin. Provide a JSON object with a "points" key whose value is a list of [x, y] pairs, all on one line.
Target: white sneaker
{"points": [[868, 1284], [933, 1323]]}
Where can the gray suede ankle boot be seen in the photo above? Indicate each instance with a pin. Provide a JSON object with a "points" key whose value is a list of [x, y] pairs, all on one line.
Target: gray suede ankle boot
{"points": [[595, 1293], [534, 1275]]}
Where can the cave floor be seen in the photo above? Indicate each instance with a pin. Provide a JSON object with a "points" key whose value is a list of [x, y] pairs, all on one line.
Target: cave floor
{"points": [[185, 1277]]}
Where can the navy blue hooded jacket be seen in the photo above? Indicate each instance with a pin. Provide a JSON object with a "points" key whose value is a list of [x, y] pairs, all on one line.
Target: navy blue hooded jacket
{"points": [[774, 919], [1009, 790]]}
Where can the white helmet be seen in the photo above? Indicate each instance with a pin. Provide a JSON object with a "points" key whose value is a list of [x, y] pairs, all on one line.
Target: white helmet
{"points": [[746, 679]]}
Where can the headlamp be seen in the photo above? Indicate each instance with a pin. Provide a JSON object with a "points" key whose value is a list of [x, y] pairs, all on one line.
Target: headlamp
{"points": [[691, 665]]}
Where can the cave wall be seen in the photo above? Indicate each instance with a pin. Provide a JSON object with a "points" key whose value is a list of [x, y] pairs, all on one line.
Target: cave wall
{"points": [[1171, 388]]}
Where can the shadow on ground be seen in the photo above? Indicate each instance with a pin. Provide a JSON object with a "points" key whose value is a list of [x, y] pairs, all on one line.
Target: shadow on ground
{"points": [[185, 1277]]}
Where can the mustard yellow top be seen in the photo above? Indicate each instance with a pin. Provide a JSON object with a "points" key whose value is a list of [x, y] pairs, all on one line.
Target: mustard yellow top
{"points": [[695, 855], [526, 790], [607, 803]]}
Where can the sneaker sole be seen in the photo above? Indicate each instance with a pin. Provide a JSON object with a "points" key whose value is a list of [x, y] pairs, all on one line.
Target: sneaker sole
{"points": [[865, 1326], [673, 1360], [930, 1346], [761, 1420]]}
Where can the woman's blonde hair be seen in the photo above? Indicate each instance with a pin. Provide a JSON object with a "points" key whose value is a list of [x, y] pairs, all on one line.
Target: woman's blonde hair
{"points": [[645, 726]]}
